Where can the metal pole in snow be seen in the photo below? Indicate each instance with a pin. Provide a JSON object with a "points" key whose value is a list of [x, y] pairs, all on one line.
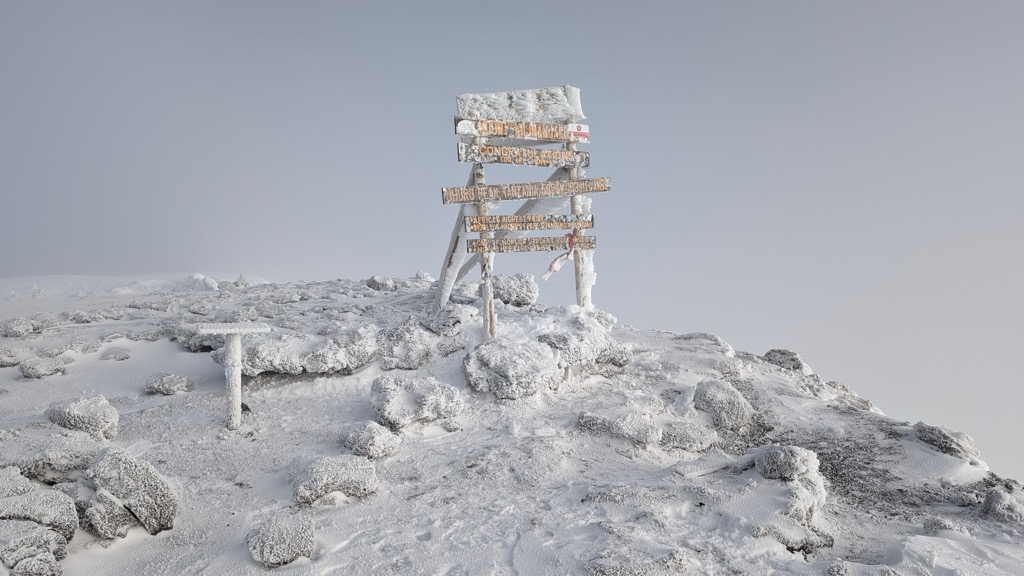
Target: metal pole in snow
{"points": [[486, 262], [579, 263]]}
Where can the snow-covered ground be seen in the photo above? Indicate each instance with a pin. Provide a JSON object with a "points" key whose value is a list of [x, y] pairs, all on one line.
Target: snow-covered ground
{"points": [[381, 437]]}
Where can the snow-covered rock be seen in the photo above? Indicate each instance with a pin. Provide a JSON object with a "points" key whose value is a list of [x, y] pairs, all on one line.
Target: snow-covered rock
{"points": [[92, 414], [106, 517], [400, 401], [293, 353], [635, 426], [516, 290], [688, 436], [168, 384], [16, 328], [41, 367], [382, 284], [282, 539], [799, 468], [10, 357], [12, 483], [372, 440], [728, 409], [1002, 506], [351, 475], [584, 339], [61, 460], [43, 506], [21, 540], [510, 369], [947, 441], [117, 354], [408, 346], [451, 319], [787, 359], [137, 485]]}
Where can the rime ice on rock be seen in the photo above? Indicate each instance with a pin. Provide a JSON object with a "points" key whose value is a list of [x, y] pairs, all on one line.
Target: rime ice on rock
{"points": [[511, 370], [787, 359], [138, 486], [399, 401], [35, 368], [1003, 507], [372, 440], [947, 441], [350, 475], [12, 483], [407, 346], [47, 507], [167, 384], [93, 415], [16, 328], [517, 290], [22, 540], [728, 409], [282, 539]]}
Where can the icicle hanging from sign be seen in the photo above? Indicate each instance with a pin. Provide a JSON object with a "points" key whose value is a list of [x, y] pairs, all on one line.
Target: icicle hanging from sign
{"points": [[556, 264]]}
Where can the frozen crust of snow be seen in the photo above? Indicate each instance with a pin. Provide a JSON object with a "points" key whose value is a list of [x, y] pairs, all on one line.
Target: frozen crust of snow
{"points": [[282, 539], [556, 105], [93, 415]]}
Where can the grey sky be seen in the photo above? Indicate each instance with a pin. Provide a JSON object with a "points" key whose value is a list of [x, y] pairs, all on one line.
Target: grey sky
{"points": [[841, 179]]}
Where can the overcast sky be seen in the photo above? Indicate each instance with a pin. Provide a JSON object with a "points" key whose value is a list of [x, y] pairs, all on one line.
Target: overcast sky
{"points": [[842, 179]]}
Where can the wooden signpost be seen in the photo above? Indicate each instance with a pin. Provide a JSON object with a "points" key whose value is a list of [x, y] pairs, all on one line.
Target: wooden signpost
{"points": [[507, 128]]}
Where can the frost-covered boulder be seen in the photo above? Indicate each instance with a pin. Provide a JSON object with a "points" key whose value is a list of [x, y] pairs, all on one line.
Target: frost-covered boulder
{"points": [[61, 460], [46, 507], [518, 290], [9, 357], [399, 401], [635, 426], [947, 441], [282, 539], [12, 483], [294, 353], [511, 370], [351, 475], [106, 517], [1003, 507], [728, 409], [43, 564], [799, 468], [41, 367], [152, 498], [585, 338], [16, 328], [787, 359], [372, 440], [408, 346], [168, 384], [117, 354], [93, 415], [22, 540], [382, 284], [452, 319], [689, 436]]}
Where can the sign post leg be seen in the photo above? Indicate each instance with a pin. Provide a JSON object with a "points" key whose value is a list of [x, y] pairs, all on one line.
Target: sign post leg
{"points": [[233, 375], [486, 262], [580, 264]]}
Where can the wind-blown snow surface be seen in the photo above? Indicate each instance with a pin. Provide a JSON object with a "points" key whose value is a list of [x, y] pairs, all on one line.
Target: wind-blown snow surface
{"points": [[662, 453]]}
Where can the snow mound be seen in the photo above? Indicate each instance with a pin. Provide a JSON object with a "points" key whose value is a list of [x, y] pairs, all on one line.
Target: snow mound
{"points": [[510, 369], [728, 409], [36, 368], [153, 499], [516, 290], [372, 440], [282, 539], [401, 401], [22, 541], [168, 384], [787, 359], [93, 415], [351, 475], [43, 506]]}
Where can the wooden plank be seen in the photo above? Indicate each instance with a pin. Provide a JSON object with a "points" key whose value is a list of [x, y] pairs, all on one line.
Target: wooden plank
{"points": [[523, 130], [541, 244], [491, 154], [529, 222], [555, 105], [522, 191]]}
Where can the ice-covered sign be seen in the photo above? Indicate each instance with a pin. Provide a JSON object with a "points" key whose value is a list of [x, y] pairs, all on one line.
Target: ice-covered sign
{"points": [[490, 153], [522, 191], [521, 222], [557, 105], [535, 244], [523, 130]]}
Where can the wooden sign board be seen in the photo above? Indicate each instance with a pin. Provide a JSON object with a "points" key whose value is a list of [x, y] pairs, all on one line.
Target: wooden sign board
{"points": [[523, 130], [529, 222], [542, 244], [491, 154], [524, 191], [555, 105]]}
